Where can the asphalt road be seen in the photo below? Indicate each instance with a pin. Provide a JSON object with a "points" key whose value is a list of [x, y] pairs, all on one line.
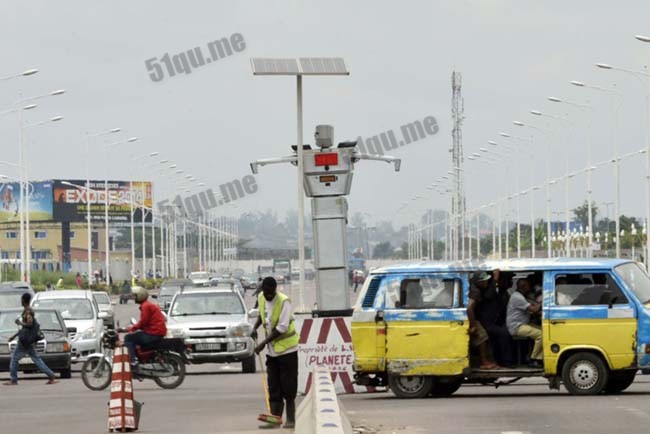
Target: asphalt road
{"points": [[220, 399]]}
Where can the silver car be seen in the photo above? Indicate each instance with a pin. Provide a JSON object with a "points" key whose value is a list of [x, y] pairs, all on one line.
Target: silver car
{"points": [[215, 324], [79, 311], [105, 304]]}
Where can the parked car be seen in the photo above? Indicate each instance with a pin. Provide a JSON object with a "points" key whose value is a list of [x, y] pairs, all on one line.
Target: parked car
{"points": [[54, 349], [215, 324], [105, 304], [169, 288], [10, 293], [79, 311]]}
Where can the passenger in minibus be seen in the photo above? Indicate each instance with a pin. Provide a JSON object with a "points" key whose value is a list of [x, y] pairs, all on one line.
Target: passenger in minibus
{"points": [[519, 324], [485, 309]]}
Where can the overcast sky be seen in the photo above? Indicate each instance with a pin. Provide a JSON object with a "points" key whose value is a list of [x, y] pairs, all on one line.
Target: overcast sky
{"points": [[213, 122]]}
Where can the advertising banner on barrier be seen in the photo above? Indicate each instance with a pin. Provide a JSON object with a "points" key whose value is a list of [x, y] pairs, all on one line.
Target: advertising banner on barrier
{"points": [[70, 202], [327, 343]]}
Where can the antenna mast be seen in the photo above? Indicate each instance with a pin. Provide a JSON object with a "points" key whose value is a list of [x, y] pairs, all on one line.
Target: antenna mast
{"points": [[457, 220]]}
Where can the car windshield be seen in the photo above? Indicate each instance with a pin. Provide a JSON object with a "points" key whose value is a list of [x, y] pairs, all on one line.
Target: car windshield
{"points": [[636, 279], [69, 308], [46, 319], [199, 275], [10, 299], [207, 304], [102, 298]]}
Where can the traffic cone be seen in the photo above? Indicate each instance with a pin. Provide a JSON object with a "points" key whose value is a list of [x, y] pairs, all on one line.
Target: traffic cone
{"points": [[123, 411]]}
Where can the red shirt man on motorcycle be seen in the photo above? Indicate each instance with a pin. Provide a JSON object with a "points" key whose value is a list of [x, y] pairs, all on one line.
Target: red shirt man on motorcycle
{"points": [[151, 328]]}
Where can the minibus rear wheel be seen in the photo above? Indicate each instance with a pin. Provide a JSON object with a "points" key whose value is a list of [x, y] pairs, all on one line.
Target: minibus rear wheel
{"points": [[412, 386], [584, 374]]}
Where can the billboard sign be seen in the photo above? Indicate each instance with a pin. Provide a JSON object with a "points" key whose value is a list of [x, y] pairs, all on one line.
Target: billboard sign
{"points": [[70, 201], [40, 203]]}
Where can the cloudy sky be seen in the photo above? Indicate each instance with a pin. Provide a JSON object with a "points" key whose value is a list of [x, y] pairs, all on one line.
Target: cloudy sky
{"points": [[213, 122]]}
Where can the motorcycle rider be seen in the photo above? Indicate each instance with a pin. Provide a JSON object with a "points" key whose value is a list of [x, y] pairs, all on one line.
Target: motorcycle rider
{"points": [[150, 330]]}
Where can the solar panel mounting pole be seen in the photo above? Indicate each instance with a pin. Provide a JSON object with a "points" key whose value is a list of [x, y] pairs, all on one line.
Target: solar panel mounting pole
{"points": [[299, 67], [301, 197]]}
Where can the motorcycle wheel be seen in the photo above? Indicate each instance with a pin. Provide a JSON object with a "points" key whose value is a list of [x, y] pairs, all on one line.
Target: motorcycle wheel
{"points": [[174, 362], [96, 373]]}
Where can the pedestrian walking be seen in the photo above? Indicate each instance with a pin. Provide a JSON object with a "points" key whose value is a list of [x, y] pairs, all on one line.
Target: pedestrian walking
{"points": [[281, 342], [78, 280], [28, 335]]}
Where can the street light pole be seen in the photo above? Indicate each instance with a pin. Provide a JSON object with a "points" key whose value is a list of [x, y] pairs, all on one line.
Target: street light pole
{"points": [[548, 135], [638, 75], [88, 201], [590, 222], [24, 201], [531, 191], [107, 205], [28, 249], [567, 178]]}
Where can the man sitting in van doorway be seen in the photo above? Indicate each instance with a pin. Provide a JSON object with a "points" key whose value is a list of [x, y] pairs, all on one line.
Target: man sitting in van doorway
{"points": [[488, 303], [519, 323]]}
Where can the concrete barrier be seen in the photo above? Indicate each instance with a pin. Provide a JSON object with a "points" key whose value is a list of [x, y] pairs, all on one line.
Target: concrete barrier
{"points": [[321, 412]]}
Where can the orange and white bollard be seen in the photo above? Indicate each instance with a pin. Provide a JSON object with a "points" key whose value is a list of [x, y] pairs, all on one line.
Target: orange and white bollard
{"points": [[122, 412]]}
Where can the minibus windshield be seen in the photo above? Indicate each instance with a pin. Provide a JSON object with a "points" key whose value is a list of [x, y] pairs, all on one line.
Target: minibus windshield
{"points": [[636, 279]]}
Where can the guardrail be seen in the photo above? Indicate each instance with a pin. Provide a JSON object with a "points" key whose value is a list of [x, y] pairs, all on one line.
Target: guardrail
{"points": [[320, 412]]}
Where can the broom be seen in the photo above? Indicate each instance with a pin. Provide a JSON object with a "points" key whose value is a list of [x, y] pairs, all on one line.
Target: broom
{"points": [[267, 417]]}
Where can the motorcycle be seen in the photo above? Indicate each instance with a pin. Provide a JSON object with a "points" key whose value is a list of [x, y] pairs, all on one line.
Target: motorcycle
{"points": [[164, 364]]}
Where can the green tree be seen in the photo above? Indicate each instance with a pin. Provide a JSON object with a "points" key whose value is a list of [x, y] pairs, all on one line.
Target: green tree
{"points": [[383, 250], [582, 213]]}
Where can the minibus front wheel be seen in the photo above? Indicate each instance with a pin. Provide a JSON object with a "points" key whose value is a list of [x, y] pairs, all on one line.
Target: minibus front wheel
{"points": [[410, 386], [585, 373]]}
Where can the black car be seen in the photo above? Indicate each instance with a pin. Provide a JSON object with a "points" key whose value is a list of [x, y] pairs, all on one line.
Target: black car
{"points": [[10, 293], [54, 349]]}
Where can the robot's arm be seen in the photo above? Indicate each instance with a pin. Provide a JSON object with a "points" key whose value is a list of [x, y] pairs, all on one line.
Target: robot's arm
{"points": [[394, 160], [293, 159]]}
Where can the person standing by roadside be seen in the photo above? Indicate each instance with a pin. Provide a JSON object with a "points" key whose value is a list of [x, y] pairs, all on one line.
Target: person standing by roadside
{"points": [[59, 283], [281, 342], [78, 280], [48, 287], [29, 334]]}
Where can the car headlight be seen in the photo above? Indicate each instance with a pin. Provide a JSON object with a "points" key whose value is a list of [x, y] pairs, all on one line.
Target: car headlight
{"points": [[4, 349], [176, 333], [240, 331], [91, 333], [56, 347]]}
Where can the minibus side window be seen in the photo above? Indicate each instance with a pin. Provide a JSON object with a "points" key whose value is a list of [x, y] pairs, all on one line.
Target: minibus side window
{"points": [[427, 293], [587, 289]]}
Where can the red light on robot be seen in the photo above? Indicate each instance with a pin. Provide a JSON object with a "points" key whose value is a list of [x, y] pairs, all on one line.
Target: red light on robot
{"points": [[328, 159]]}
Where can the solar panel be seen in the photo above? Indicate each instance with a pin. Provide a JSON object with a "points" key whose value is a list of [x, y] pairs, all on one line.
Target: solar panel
{"points": [[302, 66], [267, 66], [323, 66]]}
